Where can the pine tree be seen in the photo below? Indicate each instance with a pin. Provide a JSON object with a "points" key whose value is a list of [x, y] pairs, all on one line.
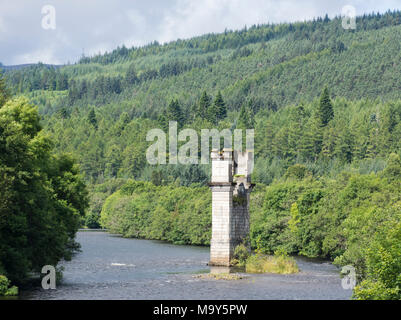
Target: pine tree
{"points": [[325, 111], [92, 118], [212, 114], [344, 146], [163, 122], [317, 138], [307, 145], [372, 149], [280, 143], [330, 138], [220, 106], [295, 130], [204, 104], [131, 76], [312, 139], [267, 132], [4, 94], [244, 120], [174, 112], [63, 113]]}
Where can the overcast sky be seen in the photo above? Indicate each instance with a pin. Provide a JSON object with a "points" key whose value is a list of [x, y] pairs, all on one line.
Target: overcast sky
{"points": [[93, 26]]}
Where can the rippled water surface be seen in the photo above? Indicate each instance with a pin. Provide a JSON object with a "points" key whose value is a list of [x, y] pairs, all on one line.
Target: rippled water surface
{"points": [[110, 267]]}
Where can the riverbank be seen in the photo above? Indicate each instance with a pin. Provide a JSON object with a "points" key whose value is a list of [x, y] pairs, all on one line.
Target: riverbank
{"points": [[111, 267], [92, 230]]}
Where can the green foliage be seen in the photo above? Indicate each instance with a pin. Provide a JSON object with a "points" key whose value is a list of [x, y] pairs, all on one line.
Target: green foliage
{"points": [[383, 274], [393, 169], [269, 227], [131, 76], [203, 106], [284, 63], [239, 200], [293, 137], [42, 195], [280, 264], [174, 113], [220, 106], [37, 77], [297, 171], [180, 215], [4, 94], [216, 111], [353, 219], [325, 111], [270, 78], [98, 195], [241, 254], [245, 119], [92, 118], [5, 289], [295, 219], [92, 220]]}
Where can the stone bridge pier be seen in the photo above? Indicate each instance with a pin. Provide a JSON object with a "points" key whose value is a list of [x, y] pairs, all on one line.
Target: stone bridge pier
{"points": [[231, 187]]}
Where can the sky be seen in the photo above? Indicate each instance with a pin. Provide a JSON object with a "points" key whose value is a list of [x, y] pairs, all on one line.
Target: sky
{"points": [[30, 32]]}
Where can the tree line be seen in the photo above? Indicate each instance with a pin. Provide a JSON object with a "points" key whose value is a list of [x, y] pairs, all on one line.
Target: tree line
{"points": [[254, 34]]}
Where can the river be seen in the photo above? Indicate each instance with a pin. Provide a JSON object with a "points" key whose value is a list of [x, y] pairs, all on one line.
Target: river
{"points": [[110, 267]]}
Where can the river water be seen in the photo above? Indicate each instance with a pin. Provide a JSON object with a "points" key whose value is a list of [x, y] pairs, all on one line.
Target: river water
{"points": [[111, 267]]}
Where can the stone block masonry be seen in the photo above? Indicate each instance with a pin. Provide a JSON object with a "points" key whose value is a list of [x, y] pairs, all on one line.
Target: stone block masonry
{"points": [[231, 187]]}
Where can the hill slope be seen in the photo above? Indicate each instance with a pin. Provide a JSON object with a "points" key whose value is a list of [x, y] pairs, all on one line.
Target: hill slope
{"points": [[101, 108]]}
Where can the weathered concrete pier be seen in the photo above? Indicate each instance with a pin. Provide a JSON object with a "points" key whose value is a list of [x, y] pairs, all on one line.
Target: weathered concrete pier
{"points": [[231, 187]]}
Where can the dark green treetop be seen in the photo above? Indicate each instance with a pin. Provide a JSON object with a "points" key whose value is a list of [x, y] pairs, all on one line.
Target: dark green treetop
{"points": [[174, 112], [204, 104], [325, 112]]}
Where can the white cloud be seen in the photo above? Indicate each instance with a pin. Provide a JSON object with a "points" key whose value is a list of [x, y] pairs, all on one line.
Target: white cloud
{"points": [[46, 55], [188, 18]]}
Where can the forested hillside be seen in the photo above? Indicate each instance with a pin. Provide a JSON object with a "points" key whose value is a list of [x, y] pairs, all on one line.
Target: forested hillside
{"points": [[101, 108], [325, 104]]}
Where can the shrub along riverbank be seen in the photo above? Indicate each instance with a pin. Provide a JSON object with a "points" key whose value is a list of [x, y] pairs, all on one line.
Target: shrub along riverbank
{"points": [[353, 219], [42, 196], [180, 215]]}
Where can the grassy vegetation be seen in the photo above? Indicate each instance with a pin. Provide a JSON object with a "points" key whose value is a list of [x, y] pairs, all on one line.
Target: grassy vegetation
{"points": [[5, 289], [241, 254], [279, 264]]}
